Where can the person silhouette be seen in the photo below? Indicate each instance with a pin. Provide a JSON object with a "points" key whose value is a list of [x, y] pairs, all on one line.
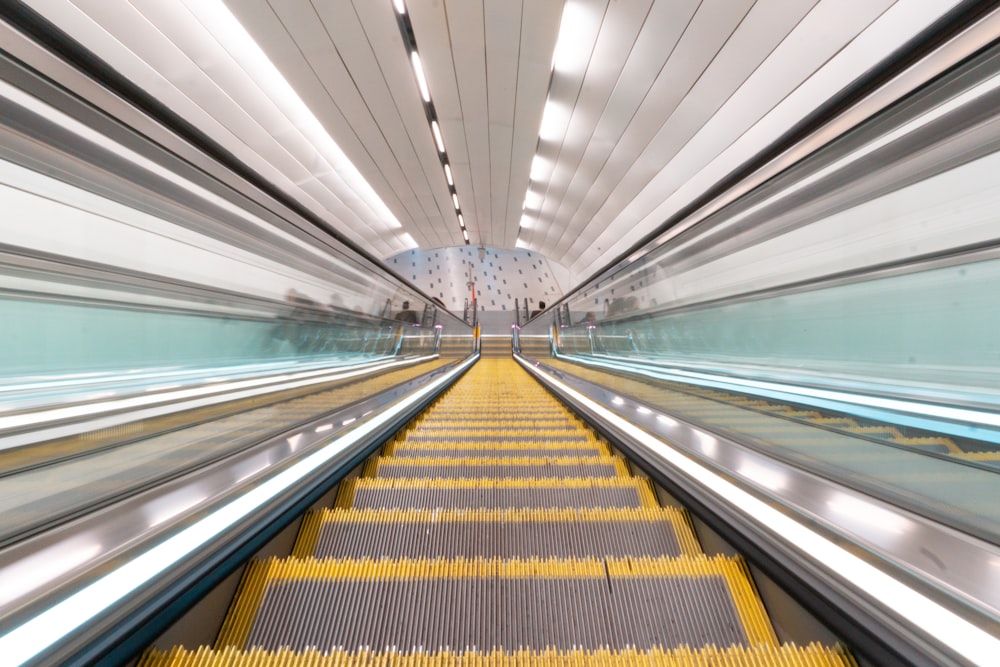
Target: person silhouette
{"points": [[406, 315]]}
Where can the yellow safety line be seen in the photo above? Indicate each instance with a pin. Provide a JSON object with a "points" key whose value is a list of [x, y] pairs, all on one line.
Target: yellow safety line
{"points": [[786, 655], [367, 569], [402, 446], [373, 465]]}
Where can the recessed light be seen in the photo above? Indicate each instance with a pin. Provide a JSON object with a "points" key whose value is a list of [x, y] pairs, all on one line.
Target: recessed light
{"points": [[436, 129], [418, 70]]}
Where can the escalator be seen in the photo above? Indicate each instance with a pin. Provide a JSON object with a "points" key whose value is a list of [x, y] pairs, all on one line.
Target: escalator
{"points": [[497, 529], [101, 467], [948, 478]]}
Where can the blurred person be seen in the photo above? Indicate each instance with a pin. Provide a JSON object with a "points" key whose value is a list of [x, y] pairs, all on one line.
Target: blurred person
{"points": [[537, 311], [406, 315]]}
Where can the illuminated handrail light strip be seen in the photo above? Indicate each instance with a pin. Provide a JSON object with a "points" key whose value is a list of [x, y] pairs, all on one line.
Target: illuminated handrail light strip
{"points": [[41, 632], [268, 384], [914, 413], [963, 637]]}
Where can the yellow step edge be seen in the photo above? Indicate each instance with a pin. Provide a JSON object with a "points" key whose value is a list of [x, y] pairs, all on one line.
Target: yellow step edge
{"points": [[498, 430], [980, 456], [394, 446], [930, 441], [647, 495], [308, 537], [242, 610], [786, 655], [372, 466]]}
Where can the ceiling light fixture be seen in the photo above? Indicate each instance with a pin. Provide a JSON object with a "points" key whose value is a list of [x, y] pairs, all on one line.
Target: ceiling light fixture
{"points": [[437, 136], [541, 168], [418, 71], [410, 44], [532, 200]]}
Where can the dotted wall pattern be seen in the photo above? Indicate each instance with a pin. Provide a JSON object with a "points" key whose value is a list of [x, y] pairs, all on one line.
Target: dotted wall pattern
{"points": [[500, 276]]}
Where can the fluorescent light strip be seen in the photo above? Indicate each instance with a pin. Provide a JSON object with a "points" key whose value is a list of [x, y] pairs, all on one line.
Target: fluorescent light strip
{"points": [[270, 384], [437, 136], [400, 6], [930, 617], [38, 634], [461, 221], [418, 70], [884, 409], [406, 29]]}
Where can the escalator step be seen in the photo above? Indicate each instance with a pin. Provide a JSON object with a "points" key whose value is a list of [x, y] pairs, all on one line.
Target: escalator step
{"points": [[416, 605], [462, 450], [400, 467], [374, 492], [564, 533], [787, 655], [499, 434]]}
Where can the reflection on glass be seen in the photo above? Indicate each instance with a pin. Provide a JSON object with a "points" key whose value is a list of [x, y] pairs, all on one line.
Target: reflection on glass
{"points": [[844, 315]]}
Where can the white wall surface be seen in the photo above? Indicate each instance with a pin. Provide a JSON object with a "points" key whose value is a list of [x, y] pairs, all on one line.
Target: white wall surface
{"points": [[500, 277]]}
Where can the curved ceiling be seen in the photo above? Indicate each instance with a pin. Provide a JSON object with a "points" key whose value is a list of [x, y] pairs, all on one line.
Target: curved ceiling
{"points": [[574, 129]]}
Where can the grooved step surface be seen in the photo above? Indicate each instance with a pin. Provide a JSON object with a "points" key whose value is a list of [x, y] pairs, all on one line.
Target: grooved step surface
{"points": [[512, 613], [463, 450], [410, 604], [487, 436], [494, 533], [787, 655], [371, 493], [395, 467]]}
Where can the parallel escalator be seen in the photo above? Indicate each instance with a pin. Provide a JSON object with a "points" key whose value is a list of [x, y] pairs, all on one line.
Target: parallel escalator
{"points": [[497, 529]]}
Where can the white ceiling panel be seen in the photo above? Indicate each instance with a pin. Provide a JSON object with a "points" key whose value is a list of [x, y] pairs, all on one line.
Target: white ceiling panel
{"points": [[811, 42], [758, 34], [650, 104], [703, 38]]}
